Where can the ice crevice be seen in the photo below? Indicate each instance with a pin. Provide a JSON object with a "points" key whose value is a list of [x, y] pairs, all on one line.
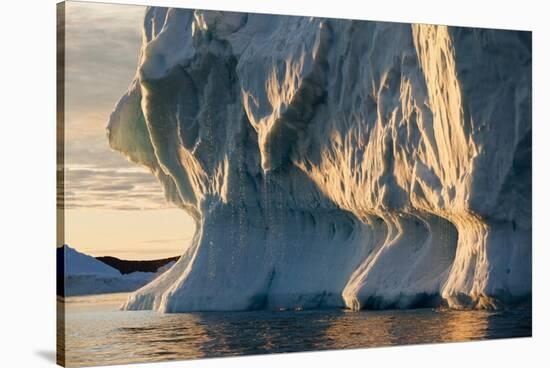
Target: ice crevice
{"points": [[334, 163]]}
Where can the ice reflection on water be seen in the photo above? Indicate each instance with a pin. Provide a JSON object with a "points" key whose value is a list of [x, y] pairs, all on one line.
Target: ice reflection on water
{"points": [[98, 334]]}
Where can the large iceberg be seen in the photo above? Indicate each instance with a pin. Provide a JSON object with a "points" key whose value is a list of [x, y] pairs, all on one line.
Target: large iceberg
{"points": [[334, 163]]}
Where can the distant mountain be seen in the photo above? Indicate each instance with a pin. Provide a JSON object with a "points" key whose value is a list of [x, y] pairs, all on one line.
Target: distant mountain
{"points": [[126, 267]]}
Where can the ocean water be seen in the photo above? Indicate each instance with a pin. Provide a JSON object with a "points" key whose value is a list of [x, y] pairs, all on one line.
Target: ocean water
{"points": [[97, 333]]}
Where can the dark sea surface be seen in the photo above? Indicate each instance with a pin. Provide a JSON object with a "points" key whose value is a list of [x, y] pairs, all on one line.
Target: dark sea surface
{"points": [[97, 333]]}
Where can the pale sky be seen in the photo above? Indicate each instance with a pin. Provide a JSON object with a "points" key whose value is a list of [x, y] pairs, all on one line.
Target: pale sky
{"points": [[113, 207]]}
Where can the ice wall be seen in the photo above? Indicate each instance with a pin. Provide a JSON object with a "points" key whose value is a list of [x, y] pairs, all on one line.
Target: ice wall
{"points": [[334, 163]]}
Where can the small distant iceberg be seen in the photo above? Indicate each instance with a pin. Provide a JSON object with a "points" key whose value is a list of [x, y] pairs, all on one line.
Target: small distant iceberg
{"points": [[81, 274]]}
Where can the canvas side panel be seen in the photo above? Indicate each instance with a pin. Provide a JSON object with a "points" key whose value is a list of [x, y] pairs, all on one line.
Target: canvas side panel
{"points": [[60, 178]]}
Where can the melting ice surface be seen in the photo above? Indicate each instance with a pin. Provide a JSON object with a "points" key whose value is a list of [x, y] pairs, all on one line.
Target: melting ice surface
{"points": [[334, 163], [99, 334]]}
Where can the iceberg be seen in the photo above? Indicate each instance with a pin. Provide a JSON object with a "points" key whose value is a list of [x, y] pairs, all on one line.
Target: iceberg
{"points": [[83, 274], [76, 263], [334, 163]]}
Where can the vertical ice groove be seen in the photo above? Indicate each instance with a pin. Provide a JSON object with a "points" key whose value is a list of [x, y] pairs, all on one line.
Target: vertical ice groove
{"points": [[334, 163]]}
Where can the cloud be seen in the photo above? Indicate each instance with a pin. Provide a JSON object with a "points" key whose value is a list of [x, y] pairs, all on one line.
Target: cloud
{"points": [[102, 49], [111, 188]]}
